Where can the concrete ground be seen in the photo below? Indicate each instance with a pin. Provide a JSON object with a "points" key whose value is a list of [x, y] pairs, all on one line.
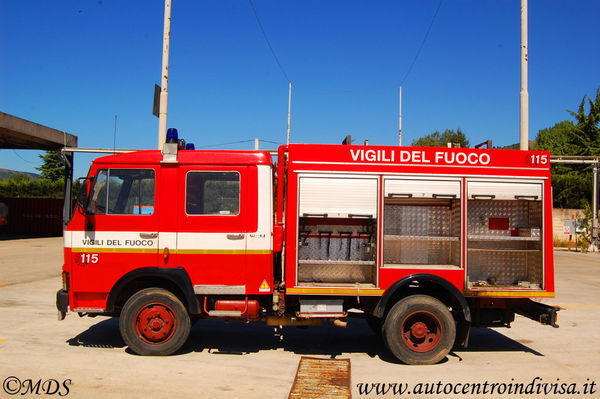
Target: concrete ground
{"points": [[238, 360]]}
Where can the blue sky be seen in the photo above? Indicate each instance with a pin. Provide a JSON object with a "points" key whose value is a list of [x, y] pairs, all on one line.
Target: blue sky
{"points": [[74, 65]]}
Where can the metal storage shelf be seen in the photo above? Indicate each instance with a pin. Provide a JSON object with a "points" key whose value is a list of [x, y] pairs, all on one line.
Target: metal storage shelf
{"points": [[473, 288], [336, 262], [421, 266], [503, 250], [419, 238], [501, 238]]}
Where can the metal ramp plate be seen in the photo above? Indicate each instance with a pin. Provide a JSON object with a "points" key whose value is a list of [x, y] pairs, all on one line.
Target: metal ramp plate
{"points": [[322, 378]]}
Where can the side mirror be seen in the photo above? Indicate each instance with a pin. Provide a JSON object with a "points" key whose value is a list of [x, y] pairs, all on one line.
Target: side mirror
{"points": [[82, 195]]}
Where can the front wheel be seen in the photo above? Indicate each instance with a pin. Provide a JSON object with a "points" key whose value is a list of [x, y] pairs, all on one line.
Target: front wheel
{"points": [[419, 329], [154, 322]]}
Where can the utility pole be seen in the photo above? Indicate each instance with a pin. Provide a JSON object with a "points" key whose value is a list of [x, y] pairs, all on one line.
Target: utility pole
{"points": [[524, 120], [289, 113], [594, 246], [162, 115], [400, 118]]}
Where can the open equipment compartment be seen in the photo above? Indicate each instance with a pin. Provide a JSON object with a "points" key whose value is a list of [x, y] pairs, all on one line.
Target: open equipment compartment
{"points": [[504, 235], [422, 223], [337, 230]]}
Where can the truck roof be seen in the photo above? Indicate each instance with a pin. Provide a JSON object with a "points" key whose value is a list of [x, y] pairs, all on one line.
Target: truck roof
{"points": [[196, 157]]}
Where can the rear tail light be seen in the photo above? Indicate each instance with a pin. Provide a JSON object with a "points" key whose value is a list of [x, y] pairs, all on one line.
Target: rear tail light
{"points": [[65, 281]]}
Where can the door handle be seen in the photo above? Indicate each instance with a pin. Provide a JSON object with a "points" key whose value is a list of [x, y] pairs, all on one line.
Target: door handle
{"points": [[148, 235], [235, 236]]}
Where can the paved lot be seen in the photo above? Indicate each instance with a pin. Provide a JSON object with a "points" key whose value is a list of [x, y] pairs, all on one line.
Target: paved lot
{"points": [[239, 360]]}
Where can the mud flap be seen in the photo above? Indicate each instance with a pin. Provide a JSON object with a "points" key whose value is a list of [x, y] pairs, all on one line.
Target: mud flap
{"points": [[62, 303]]}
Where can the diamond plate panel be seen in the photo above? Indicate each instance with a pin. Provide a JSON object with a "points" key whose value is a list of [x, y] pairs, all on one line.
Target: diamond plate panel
{"points": [[495, 257], [337, 246], [521, 214], [534, 269], [335, 273], [416, 220], [345, 247], [423, 252], [415, 229], [535, 214], [497, 268], [336, 242]]}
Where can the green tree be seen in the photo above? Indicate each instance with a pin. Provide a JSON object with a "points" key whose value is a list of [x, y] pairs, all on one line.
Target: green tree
{"points": [[556, 139], [571, 184], [437, 139], [22, 186], [586, 135], [53, 167]]}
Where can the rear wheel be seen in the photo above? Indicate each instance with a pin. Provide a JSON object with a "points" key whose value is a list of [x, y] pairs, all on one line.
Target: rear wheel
{"points": [[419, 329], [154, 322]]}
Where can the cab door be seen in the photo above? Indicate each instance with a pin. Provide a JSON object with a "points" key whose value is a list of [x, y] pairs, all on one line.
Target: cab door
{"points": [[120, 231], [212, 233]]}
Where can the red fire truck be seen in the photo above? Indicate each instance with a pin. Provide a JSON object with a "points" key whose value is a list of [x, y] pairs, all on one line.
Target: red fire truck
{"points": [[423, 243]]}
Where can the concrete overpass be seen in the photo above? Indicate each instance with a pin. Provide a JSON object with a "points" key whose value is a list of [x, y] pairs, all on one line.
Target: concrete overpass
{"points": [[17, 133]]}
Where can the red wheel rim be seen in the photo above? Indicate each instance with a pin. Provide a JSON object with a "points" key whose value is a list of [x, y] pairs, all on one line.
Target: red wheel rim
{"points": [[421, 331], [155, 323]]}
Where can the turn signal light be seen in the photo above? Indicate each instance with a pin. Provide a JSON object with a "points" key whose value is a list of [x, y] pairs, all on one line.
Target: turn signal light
{"points": [[65, 281]]}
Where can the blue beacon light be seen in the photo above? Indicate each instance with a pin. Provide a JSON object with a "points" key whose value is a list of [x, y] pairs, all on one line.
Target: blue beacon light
{"points": [[172, 135]]}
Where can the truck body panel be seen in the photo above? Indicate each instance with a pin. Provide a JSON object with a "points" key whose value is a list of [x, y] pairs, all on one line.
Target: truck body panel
{"points": [[440, 211]]}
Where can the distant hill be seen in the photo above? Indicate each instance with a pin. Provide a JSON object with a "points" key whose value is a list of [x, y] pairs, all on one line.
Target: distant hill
{"points": [[6, 173]]}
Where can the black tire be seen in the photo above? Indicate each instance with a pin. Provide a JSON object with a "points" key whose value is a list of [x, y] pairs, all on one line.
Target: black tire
{"points": [[419, 329], [154, 322]]}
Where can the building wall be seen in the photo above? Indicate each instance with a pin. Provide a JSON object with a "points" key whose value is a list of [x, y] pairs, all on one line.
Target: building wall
{"points": [[33, 216], [558, 217]]}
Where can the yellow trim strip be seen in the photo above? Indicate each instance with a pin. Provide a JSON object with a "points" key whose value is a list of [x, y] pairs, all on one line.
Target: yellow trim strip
{"points": [[514, 294], [115, 250], [222, 251], [208, 251], [334, 291]]}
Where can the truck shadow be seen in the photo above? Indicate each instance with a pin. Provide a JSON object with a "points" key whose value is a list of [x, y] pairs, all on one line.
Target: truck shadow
{"points": [[218, 337], [104, 334], [488, 340]]}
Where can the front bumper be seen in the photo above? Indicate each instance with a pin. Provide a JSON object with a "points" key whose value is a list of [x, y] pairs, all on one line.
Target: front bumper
{"points": [[62, 303]]}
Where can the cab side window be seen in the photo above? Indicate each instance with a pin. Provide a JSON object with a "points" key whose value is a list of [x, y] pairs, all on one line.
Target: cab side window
{"points": [[212, 193], [122, 192]]}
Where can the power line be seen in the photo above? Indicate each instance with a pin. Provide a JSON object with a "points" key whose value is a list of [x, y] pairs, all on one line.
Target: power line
{"points": [[422, 43], [33, 163], [268, 42], [223, 144], [238, 142], [410, 68], [270, 142]]}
